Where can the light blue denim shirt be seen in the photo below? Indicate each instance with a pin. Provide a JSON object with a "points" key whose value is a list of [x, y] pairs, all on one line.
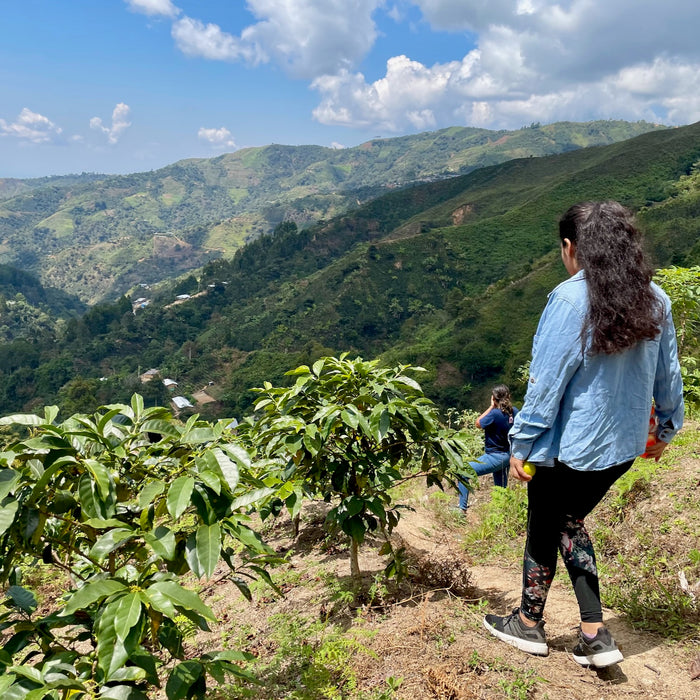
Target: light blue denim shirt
{"points": [[592, 412]]}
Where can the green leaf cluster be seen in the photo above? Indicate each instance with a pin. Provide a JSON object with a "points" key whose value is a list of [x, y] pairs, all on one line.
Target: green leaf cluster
{"points": [[350, 431], [126, 501], [682, 284]]}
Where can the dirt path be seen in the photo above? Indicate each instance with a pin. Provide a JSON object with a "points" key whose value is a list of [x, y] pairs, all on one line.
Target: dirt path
{"points": [[426, 639], [651, 668]]}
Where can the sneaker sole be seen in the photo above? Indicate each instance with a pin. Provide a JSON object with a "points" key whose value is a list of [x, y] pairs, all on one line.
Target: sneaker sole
{"points": [[538, 648], [600, 660]]}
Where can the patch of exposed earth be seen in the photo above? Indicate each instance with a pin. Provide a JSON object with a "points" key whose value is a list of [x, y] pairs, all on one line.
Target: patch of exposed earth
{"points": [[429, 633]]}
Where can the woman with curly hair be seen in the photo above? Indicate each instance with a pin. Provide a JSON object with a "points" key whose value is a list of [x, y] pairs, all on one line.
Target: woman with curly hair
{"points": [[604, 350]]}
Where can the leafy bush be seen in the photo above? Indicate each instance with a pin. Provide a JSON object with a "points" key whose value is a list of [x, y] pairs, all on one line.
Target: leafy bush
{"points": [[125, 502], [682, 284], [351, 430]]}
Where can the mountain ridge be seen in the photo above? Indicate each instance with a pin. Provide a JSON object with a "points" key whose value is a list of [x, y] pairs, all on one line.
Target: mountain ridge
{"points": [[94, 238]]}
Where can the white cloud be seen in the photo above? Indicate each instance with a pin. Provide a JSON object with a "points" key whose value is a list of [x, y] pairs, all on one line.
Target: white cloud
{"points": [[535, 60], [674, 86], [153, 7], [120, 115], [31, 127], [219, 138], [337, 146], [307, 38], [194, 38], [313, 37], [410, 96], [532, 60]]}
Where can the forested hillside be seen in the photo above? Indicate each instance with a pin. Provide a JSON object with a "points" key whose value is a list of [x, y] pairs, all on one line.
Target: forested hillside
{"points": [[10, 187], [97, 236], [451, 275], [27, 309]]}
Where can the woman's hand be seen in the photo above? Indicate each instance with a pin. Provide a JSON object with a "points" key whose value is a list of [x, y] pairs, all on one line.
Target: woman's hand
{"points": [[656, 450], [516, 470]]}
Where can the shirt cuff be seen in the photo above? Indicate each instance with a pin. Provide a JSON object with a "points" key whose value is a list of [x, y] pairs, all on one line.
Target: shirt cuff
{"points": [[521, 450], [666, 434]]}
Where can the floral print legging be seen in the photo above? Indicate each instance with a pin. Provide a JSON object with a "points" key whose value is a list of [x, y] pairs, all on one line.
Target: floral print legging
{"points": [[559, 498]]}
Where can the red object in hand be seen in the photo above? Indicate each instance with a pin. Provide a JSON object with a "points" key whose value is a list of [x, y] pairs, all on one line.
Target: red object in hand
{"points": [[651, 438]]}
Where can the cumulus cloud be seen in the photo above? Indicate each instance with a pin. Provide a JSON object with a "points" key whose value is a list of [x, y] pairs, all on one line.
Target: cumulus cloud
{"points": [[535, 60], [120, 123], [307, 38], [194, 38], [219, 138], [523, 61], [410, 96], [313, 37], [153, 7], [31, 127]]}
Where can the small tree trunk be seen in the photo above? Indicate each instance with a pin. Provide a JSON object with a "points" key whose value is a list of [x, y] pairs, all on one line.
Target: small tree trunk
{"points": [[354, 561]]}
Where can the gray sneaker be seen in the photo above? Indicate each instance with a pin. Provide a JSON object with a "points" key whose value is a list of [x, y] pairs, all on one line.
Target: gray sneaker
{"points": [[601, 651], [511, 630]]}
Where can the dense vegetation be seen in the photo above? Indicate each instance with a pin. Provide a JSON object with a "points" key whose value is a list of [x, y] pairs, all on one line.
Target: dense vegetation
{"points": [[97, 236], [450, 275], [28, 309]]}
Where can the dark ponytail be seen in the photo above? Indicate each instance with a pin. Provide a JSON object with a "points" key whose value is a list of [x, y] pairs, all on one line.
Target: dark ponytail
{"points": [[501, 394], [622, 306]]}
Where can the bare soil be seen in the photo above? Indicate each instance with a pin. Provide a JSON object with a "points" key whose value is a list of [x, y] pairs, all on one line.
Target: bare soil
{"points": [[428, 632]]}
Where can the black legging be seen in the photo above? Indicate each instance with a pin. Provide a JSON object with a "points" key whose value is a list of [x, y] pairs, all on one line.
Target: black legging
{"points": [[559, 498]]}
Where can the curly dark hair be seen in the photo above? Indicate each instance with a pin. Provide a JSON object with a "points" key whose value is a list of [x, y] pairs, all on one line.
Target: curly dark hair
{"points": [[501, 393], [623, 308]]}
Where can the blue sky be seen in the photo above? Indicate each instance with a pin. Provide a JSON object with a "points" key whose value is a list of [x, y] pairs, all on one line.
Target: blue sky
{"points": [[120, 86]]}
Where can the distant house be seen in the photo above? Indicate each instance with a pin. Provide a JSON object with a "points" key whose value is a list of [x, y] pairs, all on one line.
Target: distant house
{"points": [[148, 375], [181, 402], [140, 303], [170, 384]]}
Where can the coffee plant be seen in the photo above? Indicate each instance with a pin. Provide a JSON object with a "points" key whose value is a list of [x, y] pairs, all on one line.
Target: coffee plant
{"points": [[350, 431], [122, 505]]}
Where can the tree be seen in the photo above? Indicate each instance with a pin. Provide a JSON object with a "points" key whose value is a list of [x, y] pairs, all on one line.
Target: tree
{"points": [[124, 502], [350, 431]]}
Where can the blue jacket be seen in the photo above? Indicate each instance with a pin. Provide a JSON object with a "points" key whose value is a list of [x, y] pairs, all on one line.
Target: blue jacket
{"points": [[592, 412]]}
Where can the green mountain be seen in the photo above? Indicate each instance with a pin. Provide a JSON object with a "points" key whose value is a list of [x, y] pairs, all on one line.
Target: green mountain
{"points": [[97, 237], [11, 187], [451, 275]]}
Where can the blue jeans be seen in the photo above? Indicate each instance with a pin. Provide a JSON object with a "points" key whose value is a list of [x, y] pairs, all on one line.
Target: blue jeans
{"points": [[496, 463]]}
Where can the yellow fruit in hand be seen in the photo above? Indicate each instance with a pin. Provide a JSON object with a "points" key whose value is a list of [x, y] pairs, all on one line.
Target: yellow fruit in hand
{"points": [[529, 468]]}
